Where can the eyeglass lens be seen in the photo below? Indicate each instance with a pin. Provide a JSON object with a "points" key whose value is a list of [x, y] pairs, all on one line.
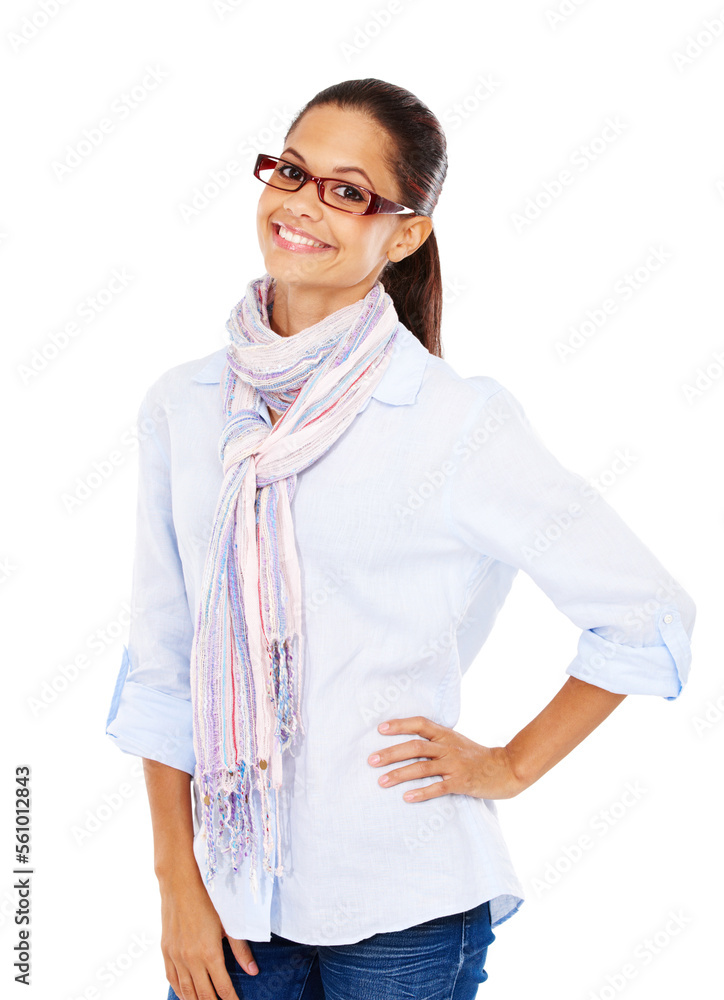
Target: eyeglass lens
{"points": [[337, 193]]}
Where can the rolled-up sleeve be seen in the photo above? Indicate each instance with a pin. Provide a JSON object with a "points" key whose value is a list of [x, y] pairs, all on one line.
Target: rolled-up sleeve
{"points": [[512, 500], [150, 712]]}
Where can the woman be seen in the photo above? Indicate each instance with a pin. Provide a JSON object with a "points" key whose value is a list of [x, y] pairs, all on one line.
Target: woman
{"points": [[329, 519]]}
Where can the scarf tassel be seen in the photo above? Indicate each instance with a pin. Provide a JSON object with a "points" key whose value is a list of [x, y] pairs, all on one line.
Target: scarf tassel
{"points": [[230, 790], [281, 686]]}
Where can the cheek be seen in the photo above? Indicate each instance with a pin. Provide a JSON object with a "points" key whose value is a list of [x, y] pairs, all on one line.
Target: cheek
{"points": [[362, 240], [267, 204]]}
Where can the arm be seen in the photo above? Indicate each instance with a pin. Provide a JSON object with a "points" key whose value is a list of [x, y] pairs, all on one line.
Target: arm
{"points": [[511, 500], [495, 772], [577, 709], [150, 716], [169, 797], [191, 929], [150, 713]]}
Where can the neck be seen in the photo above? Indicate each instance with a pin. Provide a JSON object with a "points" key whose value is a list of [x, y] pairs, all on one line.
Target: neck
{"points": [[297, 308]]}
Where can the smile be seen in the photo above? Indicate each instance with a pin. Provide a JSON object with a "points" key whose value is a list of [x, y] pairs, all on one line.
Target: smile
{"points": [[288, 239]]}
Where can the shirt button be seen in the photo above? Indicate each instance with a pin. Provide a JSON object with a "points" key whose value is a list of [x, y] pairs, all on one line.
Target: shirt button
{"points": [[668, 619]]}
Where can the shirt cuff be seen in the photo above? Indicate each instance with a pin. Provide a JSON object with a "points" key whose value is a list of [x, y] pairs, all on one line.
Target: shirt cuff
{"points": [[661, 670], [149, 723]]}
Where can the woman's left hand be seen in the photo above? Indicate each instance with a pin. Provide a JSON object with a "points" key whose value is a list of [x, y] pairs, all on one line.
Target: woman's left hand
{"points": [[465, 767]]}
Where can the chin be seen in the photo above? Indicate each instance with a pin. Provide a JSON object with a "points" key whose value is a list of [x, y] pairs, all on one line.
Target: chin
{"points": [[296, 272]]}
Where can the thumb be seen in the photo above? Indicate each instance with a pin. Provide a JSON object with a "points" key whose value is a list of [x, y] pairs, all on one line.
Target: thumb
{"points": [[243, 954]]}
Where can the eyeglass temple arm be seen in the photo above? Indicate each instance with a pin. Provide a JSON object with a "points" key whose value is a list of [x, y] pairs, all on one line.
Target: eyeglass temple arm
{"points": [[379, 204]]}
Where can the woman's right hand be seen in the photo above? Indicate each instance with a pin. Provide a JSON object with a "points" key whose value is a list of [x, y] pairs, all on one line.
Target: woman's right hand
{"points": [[191, 941]]}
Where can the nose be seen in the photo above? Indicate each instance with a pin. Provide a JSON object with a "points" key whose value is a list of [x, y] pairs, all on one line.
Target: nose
{"points": [[304, 201]]}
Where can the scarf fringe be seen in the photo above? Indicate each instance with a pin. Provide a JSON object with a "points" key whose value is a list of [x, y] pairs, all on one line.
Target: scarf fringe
{"points": [[231, 791], [282, 683]]}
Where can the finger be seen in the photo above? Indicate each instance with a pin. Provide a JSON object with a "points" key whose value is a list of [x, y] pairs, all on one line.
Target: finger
{"points": [[243, 955], [212, 969], [432, 791], [205, 987], [414, 724], [186, 989], [406, 751], [219, 976], [420, 769], [172, 977]]}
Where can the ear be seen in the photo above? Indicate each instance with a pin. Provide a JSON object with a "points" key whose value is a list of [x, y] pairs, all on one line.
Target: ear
{"points": [[413, 232]]}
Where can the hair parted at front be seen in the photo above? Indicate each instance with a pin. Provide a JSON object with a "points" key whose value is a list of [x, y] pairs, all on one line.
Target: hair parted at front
{"points": [[419, 161]]}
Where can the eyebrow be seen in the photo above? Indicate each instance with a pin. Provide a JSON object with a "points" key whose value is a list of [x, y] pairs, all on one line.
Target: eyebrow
{"points": [[337, 170]]}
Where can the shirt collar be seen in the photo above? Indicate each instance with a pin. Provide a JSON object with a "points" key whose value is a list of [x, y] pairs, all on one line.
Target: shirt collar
{"points": [[399, 384]]}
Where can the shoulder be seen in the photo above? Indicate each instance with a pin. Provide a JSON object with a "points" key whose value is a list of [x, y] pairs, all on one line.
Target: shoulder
{"points": [[470, 400], [443, 385], [174, 386]]}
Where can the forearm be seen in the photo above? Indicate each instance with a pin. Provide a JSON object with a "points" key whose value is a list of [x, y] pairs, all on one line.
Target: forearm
{"points": [[169, 796], [575, 711]]}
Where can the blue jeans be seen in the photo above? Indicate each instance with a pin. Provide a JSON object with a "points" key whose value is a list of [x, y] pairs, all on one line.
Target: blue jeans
{"points": [[441, 959]]}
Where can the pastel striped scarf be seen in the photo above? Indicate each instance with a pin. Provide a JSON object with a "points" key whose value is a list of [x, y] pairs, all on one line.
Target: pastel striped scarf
{"points": [[247, 651]]}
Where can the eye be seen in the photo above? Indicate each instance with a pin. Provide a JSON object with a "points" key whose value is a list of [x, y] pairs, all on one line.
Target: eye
{"points": [[289, 172], [348, 192]]}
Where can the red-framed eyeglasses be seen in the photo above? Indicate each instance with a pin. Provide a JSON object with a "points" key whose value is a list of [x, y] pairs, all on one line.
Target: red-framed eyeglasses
{"points": [[332, 191]]}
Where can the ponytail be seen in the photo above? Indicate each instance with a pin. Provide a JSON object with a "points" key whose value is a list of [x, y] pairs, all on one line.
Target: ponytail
{"points": [[415, 286]]}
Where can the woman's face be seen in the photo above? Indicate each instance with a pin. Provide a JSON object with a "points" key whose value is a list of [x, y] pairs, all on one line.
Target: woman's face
{"points": [[356, 248]]}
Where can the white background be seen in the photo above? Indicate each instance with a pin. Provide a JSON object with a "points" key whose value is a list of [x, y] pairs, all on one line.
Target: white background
{"points": [[228, 74]]}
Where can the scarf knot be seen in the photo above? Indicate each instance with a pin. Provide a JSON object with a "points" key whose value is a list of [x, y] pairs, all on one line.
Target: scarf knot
{"points": [[244, 435]]}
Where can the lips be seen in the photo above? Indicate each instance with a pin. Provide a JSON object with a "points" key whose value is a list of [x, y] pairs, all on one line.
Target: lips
{"points": [[277, 226]]}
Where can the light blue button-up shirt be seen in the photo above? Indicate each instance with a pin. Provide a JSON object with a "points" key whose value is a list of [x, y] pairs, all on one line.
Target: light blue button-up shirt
{"points": [[410, 530]]}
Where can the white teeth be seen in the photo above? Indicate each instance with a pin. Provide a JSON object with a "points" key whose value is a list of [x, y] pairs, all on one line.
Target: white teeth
{"points": [[295, 238]]}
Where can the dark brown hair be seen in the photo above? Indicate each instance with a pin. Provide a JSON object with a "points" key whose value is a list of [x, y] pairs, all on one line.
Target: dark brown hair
{"points": [[420, 165]]}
